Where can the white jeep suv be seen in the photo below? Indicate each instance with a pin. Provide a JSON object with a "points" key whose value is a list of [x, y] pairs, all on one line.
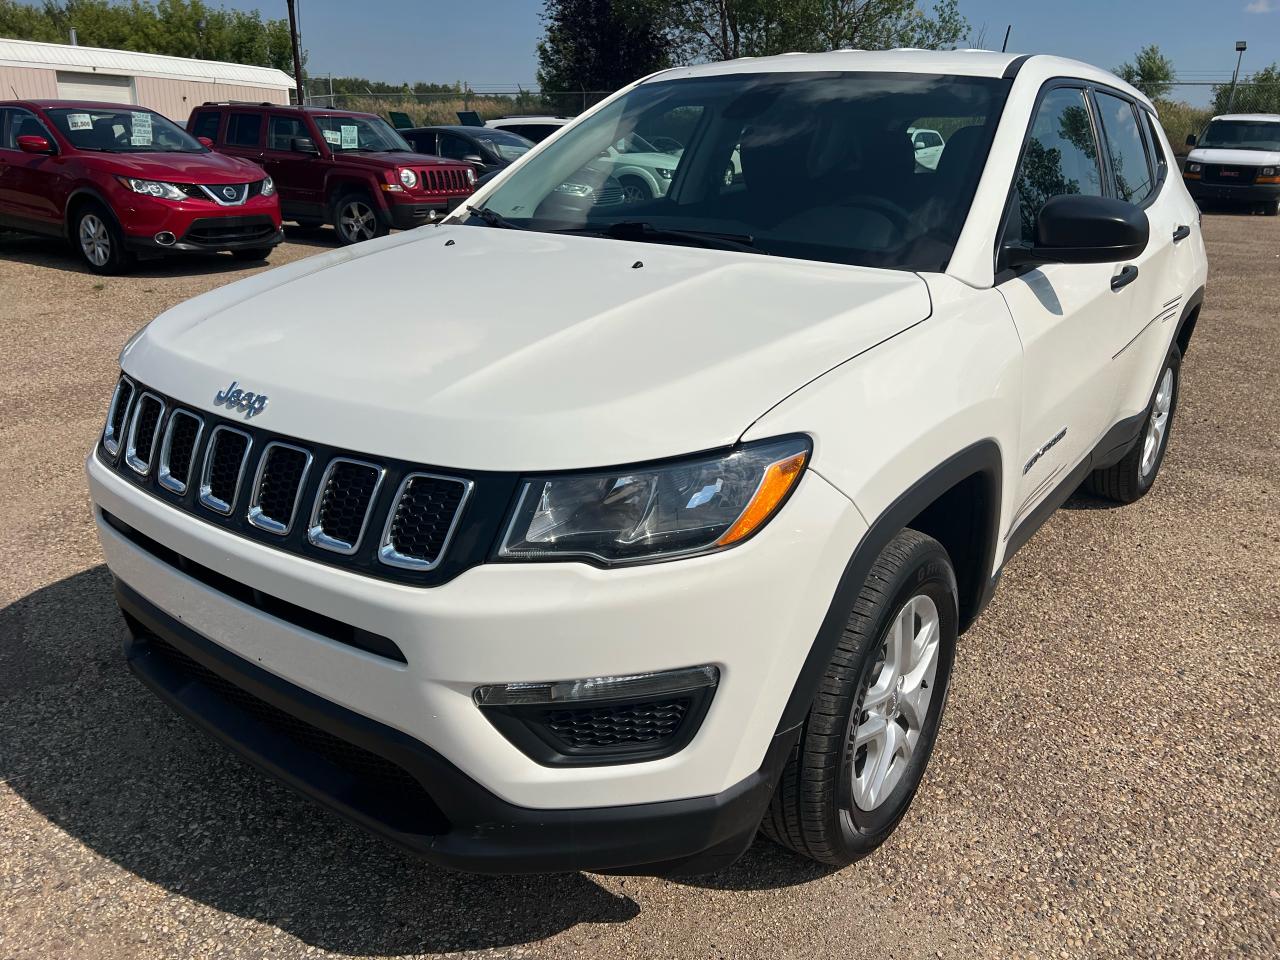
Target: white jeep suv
{"points": [[614, 578]]}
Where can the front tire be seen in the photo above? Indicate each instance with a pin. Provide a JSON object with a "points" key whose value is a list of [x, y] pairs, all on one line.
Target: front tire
{"points": [[98, 240], [867, 739], [635, 190], [355, 219], [1133, 476]]}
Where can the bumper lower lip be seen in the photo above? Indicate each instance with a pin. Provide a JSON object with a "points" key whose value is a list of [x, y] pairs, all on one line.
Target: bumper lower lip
{"points": [[1244, 193], [145, 245], [407, 215], [461, 826]]}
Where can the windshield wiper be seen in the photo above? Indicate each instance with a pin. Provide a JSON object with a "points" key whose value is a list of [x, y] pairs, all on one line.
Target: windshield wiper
{"points": [[646, 232], [493, 219]]}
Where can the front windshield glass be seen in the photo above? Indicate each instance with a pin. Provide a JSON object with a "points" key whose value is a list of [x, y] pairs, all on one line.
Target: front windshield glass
{"points": [[353, 134], [122, 130], [1242, 135], [806, 165], [508, 146]]}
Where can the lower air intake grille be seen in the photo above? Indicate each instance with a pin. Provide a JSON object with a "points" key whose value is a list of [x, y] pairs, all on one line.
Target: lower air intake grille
{"points": [[618, 726], [342, 509]]}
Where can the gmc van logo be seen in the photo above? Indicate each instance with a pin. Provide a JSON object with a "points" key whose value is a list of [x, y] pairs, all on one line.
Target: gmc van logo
{"points": [[233, 398]]}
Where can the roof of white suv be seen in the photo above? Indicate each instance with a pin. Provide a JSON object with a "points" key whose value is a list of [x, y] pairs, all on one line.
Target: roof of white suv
{"points": [[1250, 117]]}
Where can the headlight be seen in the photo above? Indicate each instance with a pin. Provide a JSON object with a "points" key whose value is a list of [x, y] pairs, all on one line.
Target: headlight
{"points": [[409, 178], [471, 174], [575, 189], [153, 188], [646, 513], [664, 173], [1268, 172], [1193, 168], [268, 187]]}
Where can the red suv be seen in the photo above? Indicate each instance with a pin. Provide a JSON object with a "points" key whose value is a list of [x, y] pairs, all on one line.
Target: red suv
{"points": [[122, 182], [348, 169]]}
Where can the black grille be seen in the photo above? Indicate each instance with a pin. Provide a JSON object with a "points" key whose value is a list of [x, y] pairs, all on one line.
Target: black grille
{"points": [[144, 430], [344, 502], [119, 412], [633, 723], [424, 516], [1227, 174], [282, 472], [226, 460], [184, 431], [446, 180], [211, 231], [386, 784]]}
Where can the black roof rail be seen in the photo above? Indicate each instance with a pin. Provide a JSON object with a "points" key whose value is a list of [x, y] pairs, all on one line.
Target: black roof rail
{"points": [[243, 103]]}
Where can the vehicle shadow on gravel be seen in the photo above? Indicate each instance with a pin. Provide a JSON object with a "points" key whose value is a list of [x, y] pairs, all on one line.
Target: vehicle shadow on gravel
{"points": [[87, 747], [58, 255]]}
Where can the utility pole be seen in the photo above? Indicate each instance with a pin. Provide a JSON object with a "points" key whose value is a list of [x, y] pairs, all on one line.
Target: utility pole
{"points": [[1241, 46], [297, 52]]}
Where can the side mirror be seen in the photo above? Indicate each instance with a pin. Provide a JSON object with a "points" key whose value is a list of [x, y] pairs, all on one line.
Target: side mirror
{"points": [[205, 142], [29, 144], [475, 160], [1079, 229], [1191, 139], [303, 145]]}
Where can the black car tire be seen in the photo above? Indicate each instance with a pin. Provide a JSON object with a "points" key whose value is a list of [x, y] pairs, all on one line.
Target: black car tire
{"points": [[1133, 476], [356, 218], [98, 241], [816, 809], [635, 190]]}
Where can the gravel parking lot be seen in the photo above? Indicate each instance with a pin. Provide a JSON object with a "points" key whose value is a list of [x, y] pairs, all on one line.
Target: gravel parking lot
{"points": [[1105, 783]]}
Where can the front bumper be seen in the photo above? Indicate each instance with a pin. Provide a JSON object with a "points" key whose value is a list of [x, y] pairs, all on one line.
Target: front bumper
{"points": [[405, 215], [1242, 193], [198, 226], [751, 611]]}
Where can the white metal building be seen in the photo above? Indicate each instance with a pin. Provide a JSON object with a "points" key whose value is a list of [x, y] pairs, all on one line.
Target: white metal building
{"points": [[171, 86]]}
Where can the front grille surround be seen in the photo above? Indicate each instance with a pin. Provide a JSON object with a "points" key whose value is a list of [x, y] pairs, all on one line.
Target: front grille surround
{"points": [[258, 515], [316, 529], [118, 416], [208, 496], [176, 480], [142, 435], [388, 551]]}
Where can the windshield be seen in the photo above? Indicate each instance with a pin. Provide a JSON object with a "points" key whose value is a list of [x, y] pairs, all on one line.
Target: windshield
{"points": [[352, 134], [122, 131], [805, 165], [1242, 135], [508, 146]]}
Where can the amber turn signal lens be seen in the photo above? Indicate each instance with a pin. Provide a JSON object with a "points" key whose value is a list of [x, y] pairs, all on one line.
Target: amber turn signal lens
{"points": [[778, 479]]}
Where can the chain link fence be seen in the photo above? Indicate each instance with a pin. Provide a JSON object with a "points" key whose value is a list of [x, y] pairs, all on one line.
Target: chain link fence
{"points": [[1185, 108]]}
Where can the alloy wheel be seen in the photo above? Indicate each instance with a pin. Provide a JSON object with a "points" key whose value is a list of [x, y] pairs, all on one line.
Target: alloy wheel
{"points": [[884, 731], [631, 193], [95, 240], [1157, 425], [357, 221]]}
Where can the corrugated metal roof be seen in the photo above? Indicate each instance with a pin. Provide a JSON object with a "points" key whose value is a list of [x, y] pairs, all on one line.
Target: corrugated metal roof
{"points": [[28, 53]]}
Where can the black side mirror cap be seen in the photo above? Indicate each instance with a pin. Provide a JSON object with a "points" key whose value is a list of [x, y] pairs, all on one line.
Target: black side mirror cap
{"points": [[303, 145], [1191, 139], [1080, 229]]}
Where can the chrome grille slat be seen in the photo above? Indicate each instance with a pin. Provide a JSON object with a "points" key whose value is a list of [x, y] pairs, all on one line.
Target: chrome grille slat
{"points": [[143, 428], [118, 415], [174, 473], [418, 552], [271, 479], [220, 458], [346, 482]]}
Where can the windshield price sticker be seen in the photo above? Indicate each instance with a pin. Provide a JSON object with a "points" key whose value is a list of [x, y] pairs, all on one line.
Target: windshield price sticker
{"points": [[334, 137], [350, 138], [141, 136], [79, 121]]}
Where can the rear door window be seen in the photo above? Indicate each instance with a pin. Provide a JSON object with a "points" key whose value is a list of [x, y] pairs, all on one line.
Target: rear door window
{"points": [[244, 130], [1131, 173], [206, 125]]}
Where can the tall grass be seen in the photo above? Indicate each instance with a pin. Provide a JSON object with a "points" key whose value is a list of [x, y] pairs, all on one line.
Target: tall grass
{"points": [[1180, 119]]}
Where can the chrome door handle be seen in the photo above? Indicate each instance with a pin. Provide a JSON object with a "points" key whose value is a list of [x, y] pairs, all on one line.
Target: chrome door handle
{"points": [[1181, 233], [1124, 277]]}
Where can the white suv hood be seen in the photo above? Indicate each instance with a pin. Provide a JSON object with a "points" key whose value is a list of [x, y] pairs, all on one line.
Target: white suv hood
{"points": [[1243, 158], [489, 349]]}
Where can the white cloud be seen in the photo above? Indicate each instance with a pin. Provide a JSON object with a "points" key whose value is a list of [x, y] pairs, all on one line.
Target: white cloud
{"points": [[1261, 6]]}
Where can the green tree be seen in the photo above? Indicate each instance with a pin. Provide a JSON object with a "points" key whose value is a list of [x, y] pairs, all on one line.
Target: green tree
{"points": [[597, 44], [1151, 72], [1259, 93]]}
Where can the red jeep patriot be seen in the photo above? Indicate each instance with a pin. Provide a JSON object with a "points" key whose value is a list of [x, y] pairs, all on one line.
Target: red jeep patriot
{"points": [[330, 166]]}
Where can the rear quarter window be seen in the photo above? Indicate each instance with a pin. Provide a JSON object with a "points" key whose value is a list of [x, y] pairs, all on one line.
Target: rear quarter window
{"points": [[244, 129]]}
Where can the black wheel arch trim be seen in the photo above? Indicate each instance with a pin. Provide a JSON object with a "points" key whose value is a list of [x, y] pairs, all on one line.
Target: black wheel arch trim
{"points": [[1190, 309], [982, 459], [81, 193]]}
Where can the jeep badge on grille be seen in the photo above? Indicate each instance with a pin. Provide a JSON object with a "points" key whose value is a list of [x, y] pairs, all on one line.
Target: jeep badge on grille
{"points": [[233, 398]]}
